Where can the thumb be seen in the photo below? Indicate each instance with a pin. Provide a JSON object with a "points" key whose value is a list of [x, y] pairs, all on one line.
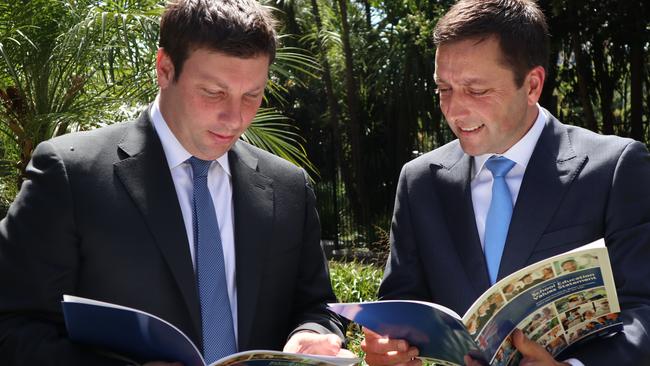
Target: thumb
{"points": [[527, 347], [369, 333], [533, 353], [334, 340]]}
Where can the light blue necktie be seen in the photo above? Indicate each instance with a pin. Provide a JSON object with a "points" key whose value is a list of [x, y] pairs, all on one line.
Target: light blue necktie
{"points": [[216, 317], [499, 214]]}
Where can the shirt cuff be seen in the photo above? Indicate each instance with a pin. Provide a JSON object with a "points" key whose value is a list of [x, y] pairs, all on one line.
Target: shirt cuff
{"points": [[574, 362]]}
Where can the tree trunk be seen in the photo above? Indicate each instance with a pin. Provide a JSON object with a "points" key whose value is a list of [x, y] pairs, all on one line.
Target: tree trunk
{"points": [[636, 87], [367, 8], [332, 103], [360, 204], [584, 85], [333, 107], [605, 85], [548, 100]]}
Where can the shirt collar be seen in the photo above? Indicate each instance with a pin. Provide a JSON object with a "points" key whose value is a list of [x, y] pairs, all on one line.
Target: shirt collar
{"points": [[520, 152], [175, 153]]}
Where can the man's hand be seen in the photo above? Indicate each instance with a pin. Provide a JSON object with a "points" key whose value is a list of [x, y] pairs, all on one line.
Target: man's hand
{"points": [[534, 354], [382, 351], [316, 344], [469, 361]]}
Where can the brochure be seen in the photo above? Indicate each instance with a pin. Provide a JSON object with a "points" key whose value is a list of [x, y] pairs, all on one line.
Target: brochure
{"points": [[139, 337], [556, 302]]}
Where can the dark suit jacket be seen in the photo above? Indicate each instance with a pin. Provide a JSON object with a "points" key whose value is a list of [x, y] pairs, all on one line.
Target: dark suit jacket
{"points": [[98, 217], [578, 187]]}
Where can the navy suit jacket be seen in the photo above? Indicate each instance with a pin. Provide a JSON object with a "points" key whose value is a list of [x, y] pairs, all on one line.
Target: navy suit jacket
{"points": [[578, 187], [98, 217]]}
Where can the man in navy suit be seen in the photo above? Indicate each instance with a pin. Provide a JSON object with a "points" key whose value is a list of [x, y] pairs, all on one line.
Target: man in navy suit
{"points": [[108, 214], [568, 187]]}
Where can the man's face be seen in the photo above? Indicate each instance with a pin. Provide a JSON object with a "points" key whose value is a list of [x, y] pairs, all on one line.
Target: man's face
{"points": [[569, 266], [483, 308], [479, 98], [214, 99]]}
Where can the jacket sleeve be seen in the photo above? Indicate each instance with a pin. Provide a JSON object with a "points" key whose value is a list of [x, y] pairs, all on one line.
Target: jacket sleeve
{"points": [[39, 258], [627, 235], [314, 289], [404, 277]]}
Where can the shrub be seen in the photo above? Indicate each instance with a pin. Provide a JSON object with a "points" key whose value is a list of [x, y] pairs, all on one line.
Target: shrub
{"points": [[355, 282]]}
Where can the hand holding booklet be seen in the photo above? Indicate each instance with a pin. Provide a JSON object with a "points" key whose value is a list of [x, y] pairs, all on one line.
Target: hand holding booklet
{"points": [[140, 337], [557, 302]]}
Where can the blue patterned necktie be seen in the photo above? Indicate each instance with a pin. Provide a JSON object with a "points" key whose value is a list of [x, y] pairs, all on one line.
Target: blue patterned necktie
{"points": [[499, 214], [216, 317]]}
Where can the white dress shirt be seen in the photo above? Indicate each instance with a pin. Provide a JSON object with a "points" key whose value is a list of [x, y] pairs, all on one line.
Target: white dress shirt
{"points": [[220, 187], [481, 183]]}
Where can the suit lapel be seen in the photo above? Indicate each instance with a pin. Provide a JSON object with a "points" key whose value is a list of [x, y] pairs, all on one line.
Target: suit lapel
{"points": [[551, 169], [455, 194], [146, 176], [253, 209]]}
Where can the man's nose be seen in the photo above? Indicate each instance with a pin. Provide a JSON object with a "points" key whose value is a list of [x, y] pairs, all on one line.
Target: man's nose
{"points": [[454, 106], [231, 114]]}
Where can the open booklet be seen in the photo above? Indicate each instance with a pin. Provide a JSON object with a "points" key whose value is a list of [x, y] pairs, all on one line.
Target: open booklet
{"points": [[556, 302], [139, 337]]}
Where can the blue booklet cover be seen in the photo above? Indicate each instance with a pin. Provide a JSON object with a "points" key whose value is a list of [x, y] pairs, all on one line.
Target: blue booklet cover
{"points": [[140, 337], [557, 302], [436, 331]]}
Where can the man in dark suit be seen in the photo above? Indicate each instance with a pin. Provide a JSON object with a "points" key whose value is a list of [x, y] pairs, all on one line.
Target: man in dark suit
{"points": [[567, 187], [112, 214]]}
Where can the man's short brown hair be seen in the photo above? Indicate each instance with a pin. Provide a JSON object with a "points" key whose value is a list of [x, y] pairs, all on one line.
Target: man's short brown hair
{"points": [[240, 28], [519, 26]]}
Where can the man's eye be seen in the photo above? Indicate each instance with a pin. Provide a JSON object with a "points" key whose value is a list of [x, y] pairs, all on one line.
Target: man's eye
{"points": [[442, 90], [212, 93], [477, 92]]}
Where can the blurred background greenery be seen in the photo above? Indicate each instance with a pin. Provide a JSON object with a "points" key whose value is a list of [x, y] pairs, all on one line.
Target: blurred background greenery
{"points": [[355, 282], [351, 97]]}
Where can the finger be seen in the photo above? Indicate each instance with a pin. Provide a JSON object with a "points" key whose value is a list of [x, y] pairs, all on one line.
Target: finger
{"points": [[345, 353], [531, 351], [469, 361], [391, 358], [522, 343], [322, 344], [334, 340], [414, 362], [384, 345], [370, 334]]}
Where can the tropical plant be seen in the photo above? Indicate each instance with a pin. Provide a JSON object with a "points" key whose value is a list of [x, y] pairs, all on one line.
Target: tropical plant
{"points": [[355, 282], [71, 65], [75, 65], [375, 97]]}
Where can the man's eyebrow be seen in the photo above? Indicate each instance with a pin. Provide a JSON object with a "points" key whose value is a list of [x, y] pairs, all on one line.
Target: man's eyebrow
{"points": [[466, 82], [209, 79], [473, 81], [258, 89]]}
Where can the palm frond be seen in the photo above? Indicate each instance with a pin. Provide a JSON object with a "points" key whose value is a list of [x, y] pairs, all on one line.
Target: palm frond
{"points": [[271, 132]]}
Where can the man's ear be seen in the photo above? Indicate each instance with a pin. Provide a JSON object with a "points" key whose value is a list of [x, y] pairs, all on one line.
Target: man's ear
{"points": [[164, 69], [534, 83]]}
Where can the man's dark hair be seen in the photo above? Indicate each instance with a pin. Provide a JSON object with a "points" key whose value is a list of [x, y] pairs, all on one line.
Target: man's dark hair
{"points": [[519, 26], [240, 28]]}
